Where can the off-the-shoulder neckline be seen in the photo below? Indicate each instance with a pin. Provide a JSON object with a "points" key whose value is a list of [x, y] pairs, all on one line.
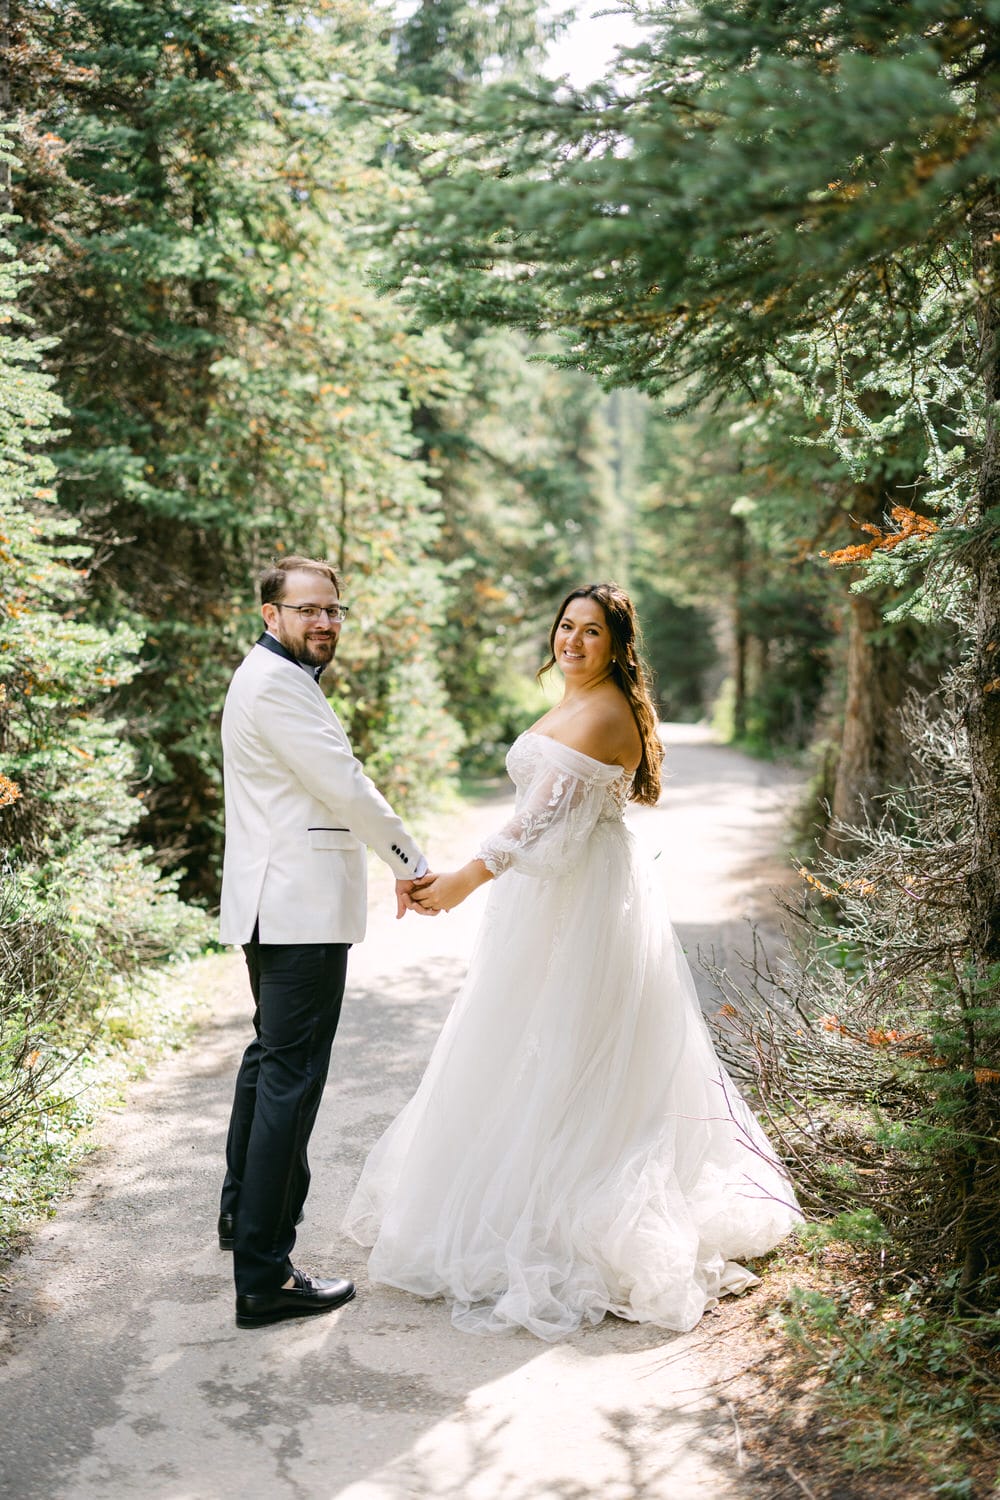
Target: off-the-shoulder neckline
{"points": [[607, 765]]}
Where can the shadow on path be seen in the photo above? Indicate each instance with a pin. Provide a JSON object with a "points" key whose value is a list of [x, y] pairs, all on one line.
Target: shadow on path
{"points": [[125, 1374]]}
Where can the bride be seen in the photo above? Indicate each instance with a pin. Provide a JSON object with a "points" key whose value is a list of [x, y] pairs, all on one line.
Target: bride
{"points": [[575, 1147]]}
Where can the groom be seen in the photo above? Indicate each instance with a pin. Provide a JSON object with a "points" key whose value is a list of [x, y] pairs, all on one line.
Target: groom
{"points": [[299, 812]]}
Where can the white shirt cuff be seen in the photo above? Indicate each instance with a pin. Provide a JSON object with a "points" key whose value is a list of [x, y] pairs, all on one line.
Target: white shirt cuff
{"points": [[422, 868]]}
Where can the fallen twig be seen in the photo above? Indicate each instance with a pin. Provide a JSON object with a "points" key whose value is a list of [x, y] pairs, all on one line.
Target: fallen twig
{"points": [[737, 1435], [810, 1494]]}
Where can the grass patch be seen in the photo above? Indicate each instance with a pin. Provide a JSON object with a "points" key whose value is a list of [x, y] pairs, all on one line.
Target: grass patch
{"points": [[846, 1384], [904, 1385]]}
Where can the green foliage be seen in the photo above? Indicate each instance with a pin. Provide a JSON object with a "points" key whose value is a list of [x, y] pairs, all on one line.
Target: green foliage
{"points": [[899, 1383], [765, 164], [443, 47], [724, 509], [789, 209], [860, 1228], [80, 905], [523, 461], [393, 694], [680, 648], [527, 462], [233, 389]]}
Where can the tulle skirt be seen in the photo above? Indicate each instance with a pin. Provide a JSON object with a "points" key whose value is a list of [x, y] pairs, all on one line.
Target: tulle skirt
{"points": [[575, 1147]]}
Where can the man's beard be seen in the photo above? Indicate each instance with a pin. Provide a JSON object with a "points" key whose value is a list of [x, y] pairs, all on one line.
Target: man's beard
{"points": [[306, 654]]}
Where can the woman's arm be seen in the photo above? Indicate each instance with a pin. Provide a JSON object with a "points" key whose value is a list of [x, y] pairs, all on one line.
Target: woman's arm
{"points": [[552, 824]]}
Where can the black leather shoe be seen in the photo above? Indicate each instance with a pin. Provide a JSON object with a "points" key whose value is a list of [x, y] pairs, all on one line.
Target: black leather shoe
{"points": [[307, 1296], [226, 1230]]}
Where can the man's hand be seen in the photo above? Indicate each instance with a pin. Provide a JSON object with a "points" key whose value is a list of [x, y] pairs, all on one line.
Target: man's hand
{"points": [[404, 897], [434, 893]]}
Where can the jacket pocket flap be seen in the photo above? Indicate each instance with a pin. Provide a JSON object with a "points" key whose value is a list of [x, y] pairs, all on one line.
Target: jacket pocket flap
{"points": [[332, 838]]}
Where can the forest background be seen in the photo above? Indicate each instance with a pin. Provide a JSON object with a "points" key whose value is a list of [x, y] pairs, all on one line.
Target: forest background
{"points": [[721, 326]]}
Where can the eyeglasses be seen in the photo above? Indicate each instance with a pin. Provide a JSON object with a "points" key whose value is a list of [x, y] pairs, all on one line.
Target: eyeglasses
{"points": [[311, 612]]}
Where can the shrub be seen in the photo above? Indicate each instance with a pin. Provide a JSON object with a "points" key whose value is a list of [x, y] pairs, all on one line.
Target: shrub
{"points": [[80, 905], [875, 1046]]}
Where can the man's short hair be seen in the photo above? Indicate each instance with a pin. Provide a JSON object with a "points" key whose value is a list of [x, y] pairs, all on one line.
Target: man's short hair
{"points": [[272, 578]]}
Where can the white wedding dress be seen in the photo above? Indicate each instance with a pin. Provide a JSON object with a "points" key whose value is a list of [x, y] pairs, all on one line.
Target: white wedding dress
{"points": [[575, 1147]]}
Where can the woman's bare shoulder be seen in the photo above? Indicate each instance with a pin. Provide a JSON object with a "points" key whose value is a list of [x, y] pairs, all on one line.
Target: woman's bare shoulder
{"points": [[606, 730]]}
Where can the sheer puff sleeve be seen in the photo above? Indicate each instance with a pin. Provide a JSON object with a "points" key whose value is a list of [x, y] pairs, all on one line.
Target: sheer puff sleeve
{"points": [[560, 801]]}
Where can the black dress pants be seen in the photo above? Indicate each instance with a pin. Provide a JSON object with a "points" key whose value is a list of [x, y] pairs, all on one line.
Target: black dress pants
{"points": [[298, 989]]}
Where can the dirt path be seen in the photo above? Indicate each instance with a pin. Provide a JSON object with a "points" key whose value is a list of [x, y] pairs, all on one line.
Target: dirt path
{"points": [[125, 1375]]}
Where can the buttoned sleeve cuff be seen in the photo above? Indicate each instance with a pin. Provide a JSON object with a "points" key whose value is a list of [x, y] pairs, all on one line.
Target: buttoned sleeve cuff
{"points": [[422, 868]]}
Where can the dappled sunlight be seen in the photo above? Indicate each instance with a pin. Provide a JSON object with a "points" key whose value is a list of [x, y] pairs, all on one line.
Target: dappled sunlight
{"points": [[478, 302], [538, 1431], [384, 1399]]}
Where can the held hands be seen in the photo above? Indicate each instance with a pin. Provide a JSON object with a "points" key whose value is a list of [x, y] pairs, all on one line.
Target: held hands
{"points": [[431, 893], [404, 897], [436, 893]]}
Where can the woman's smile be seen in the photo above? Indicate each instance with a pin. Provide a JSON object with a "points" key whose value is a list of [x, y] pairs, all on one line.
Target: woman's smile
{"points": [[583, 641]]}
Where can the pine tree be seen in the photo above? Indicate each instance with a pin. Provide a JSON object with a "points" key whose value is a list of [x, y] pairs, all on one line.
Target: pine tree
{"points": [[80, 902], [232, 389]]}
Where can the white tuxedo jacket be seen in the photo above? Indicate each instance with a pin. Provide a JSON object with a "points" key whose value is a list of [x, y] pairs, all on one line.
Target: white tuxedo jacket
{"points": [[299, 811]]}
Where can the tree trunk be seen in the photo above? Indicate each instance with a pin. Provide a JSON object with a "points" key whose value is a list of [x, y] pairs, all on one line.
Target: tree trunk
{"points": [[741, 637], [6, 205], [983, 723], [983, 716], [977, 1227], [872, 755]]}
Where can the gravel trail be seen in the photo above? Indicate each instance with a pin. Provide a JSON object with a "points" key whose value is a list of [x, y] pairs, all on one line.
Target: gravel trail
{"points": [[123, 1374]]}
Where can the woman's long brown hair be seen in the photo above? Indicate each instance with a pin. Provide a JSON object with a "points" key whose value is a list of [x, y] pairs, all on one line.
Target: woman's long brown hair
{"points": [[631, 674]]}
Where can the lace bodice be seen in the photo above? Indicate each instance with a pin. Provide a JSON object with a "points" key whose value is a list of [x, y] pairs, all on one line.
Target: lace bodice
{"points": [[562, 795]]}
